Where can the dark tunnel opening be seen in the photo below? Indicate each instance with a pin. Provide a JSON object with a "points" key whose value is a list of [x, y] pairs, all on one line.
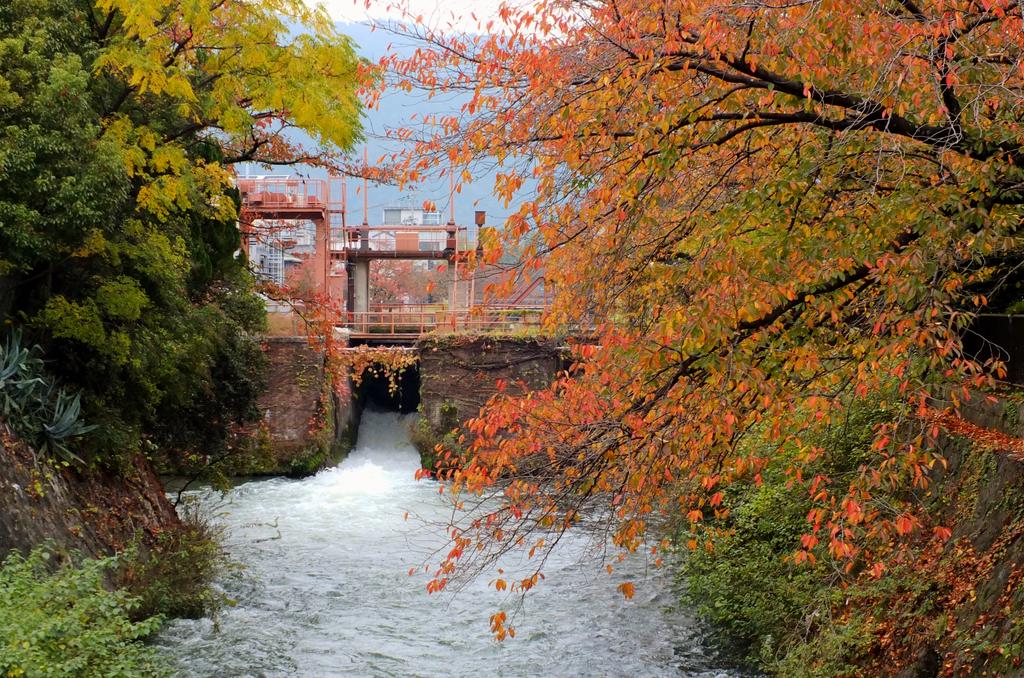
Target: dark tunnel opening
{"points": [[376, 391]]}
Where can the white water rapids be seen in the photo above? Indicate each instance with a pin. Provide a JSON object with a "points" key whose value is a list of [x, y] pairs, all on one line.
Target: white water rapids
{"points": [[325, 589]]}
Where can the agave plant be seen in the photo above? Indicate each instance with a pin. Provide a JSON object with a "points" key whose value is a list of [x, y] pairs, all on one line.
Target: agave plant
{"points": [[32, 406], [15, 361], [12, 358], [17, 385], [65, 424]]}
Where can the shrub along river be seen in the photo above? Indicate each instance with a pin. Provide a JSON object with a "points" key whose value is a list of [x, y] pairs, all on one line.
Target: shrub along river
{"points": [[324, 589]]}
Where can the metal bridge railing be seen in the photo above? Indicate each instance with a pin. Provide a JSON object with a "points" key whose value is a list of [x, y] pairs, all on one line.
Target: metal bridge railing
{"points": [[397, 321], [282, 191]]}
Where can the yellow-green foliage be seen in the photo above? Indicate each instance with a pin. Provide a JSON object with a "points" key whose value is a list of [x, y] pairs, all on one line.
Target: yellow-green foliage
{"points": [[121, 299], [72, 320], [262, 63]]}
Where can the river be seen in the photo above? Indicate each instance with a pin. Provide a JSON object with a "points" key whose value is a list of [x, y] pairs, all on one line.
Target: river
{"points": [[324, 589]]}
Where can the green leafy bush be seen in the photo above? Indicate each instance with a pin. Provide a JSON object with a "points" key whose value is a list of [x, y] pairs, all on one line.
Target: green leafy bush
{"points": [[144, 310], [174, 576], [776, 613], [58, 619]]}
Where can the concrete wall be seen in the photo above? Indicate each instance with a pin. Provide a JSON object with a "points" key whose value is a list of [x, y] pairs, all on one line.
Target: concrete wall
{"points": [[458, 374], [306, 425], [361, 286], [967, 609]]}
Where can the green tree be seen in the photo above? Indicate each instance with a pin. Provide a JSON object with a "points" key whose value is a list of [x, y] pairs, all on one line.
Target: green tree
{"points": [[119, 123]]}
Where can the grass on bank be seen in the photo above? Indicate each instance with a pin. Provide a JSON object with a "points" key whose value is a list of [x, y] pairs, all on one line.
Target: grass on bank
{"points": [[173, 577]]}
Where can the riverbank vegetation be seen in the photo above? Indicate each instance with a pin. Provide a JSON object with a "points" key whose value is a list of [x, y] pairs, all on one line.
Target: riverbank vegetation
{"points": [[433, 443], [161, 567], [64, 614], [59, 618], [943, 607], [173, 576], [775, 216]]}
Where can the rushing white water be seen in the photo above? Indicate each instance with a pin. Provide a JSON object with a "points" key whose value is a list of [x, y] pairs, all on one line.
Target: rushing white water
{"points": [[325, 590]]}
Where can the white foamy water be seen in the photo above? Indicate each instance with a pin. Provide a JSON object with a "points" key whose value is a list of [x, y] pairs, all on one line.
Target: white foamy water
{"points": [[325, 589]]}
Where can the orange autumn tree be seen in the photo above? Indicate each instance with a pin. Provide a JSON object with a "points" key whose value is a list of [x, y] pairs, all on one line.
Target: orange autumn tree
{"points": [[399, 281], [771, 211]]}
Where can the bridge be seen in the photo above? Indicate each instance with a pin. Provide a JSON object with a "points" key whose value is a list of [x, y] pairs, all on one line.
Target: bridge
{"points": [[400, 321], [335, 262]]}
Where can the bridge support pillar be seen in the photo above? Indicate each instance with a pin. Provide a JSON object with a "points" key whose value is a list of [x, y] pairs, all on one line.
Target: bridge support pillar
{"points": [[322, 257], [361, 286]]}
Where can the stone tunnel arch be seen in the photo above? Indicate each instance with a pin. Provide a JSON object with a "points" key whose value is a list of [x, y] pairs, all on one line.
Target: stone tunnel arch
{"points": [[375, 390]]}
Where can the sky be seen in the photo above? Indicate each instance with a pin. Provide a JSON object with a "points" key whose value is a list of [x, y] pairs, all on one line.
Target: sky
{"points": [[433, 11]]}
